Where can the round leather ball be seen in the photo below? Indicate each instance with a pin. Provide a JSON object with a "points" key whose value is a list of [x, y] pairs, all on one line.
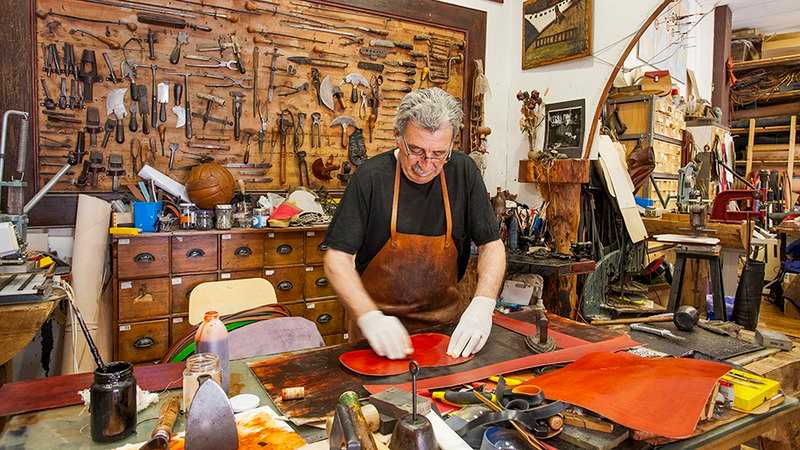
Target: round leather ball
{"points": [[209, 185]]}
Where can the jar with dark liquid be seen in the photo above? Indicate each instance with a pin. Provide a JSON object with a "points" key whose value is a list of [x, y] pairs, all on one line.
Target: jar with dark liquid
{"points": [[113, 402]]}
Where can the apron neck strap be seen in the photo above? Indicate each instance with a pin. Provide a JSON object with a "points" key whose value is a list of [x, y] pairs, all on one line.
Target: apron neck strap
{"points": [[445, 198]]}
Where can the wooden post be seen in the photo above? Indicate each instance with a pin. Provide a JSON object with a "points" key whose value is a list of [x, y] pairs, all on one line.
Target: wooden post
{"points": [[751, 136], [722, 51], [790, 170], [560, 184]]}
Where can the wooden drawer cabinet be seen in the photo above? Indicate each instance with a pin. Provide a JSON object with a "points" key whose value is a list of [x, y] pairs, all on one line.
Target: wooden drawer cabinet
{"points": [[241, 251], [143, 299], [143, 257], [283, 249], [297, 309], [327, 315], [143, 341], [287, 281], [316, 283], [315, 249], [194, 253], [335, 339], [241, 274], [182, 286], [178, 327]]}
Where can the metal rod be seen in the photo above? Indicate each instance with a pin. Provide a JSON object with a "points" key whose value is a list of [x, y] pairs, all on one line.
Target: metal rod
{"points": [[46, 188], [141, 6]]}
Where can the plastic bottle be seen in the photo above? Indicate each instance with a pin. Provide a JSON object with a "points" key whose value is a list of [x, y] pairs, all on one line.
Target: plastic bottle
{"points": [[212, 337]]}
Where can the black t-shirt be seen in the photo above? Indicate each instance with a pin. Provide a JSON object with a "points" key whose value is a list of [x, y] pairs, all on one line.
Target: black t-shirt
{"points": [[361, 225]]}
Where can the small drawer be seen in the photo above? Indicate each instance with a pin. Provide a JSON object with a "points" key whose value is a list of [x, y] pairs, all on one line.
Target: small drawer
{"points": [[242, 274], [335, 339], [315, 249], [296, 309], [178, 327], [283, 249], [241, 251], [288, 283], [143, 257], [143, 341], [327, 315], [194, 253], [181, 288], [143, 299], [316, 283]]}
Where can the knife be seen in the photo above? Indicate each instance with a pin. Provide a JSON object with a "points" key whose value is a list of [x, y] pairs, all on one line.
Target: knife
{"points": [[162, 433]]}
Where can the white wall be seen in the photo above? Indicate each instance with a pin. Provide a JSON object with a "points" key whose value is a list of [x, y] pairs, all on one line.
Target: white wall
{"points": [[582, 78]]}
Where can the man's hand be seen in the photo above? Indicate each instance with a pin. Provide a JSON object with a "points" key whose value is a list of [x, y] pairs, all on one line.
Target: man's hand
{"points": [[473, 328], [385, 334]]}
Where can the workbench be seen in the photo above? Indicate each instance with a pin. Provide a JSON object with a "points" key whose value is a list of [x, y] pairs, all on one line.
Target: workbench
{"points": [[68, 427]]}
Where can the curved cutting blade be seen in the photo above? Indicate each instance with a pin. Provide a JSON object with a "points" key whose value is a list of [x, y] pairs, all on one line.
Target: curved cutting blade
{"points": [[210, 424]]}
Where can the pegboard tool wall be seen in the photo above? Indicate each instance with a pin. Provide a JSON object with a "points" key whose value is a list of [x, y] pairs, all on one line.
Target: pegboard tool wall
{"points": [[335, 34]]}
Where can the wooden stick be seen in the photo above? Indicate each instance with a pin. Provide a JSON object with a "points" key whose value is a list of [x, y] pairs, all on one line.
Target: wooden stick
{"points": [[651, 319], [588, 423], [617, 68]]}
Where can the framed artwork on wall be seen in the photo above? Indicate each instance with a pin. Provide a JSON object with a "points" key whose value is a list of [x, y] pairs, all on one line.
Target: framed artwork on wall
{"points": [[564, 125], [555, 31]]}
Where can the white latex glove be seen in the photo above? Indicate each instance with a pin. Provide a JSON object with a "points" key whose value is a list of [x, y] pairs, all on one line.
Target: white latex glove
{"points": [[473, 328], [385, 334]]}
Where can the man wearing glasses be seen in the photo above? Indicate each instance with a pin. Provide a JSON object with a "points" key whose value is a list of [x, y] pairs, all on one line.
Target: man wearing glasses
{"points": [[401, 236]]}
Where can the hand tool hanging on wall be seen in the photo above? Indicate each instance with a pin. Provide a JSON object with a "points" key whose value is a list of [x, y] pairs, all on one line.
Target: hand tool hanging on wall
{"points": [[316, 122], [256, 100], [238, 101], [338, 95], [272, 69], [253, 7], [237, 52], [208, 146], [119, 135], [48, 102], [320, 62], [230, 81], [162, 136], [116, 169], [180, 40], [262, 40], [211, 100], [42, 14], [62, 96], [112, 77], [92, 124], [73, 101], [291, 90], [390, 44], [344, 122], [168, 10], [177, 93], [129, 72], [326, 92], [163, 99], [168, 21], [315, 80], [111, 43], [87, 73], [141, 91], [187, 105], [107, 129], [133, 125], [285, 125], [70, 68], [407, 64], [374, 52], [265, 32], [218, 62], [372, 67], [355, 79], [151, 44], [301, 26]]}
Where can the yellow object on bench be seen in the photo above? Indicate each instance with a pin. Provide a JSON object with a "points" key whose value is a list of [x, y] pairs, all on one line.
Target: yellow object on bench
{"points": [[749, 390]]}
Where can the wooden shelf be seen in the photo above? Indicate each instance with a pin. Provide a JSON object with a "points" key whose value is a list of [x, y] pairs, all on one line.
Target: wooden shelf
{"points": [[761, 63], [773, 129]]}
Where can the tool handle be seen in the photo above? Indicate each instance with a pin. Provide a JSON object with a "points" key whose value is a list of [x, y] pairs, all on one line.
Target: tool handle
{"points": [[160, 20], [145, 126], [177, 93], [167, 417], [133, 125], [162, 112], [354, 95], [119, 135], [175, 56], [188, 125], [154, 110], [403, 45]]}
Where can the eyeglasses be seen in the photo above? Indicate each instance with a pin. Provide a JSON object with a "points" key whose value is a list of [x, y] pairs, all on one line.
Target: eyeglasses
{"points": [[436, 155]]}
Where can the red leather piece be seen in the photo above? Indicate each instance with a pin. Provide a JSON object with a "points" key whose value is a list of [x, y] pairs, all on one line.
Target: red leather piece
{"points": [[661, 396], [528, 329], [430, 350], [545, 359]]}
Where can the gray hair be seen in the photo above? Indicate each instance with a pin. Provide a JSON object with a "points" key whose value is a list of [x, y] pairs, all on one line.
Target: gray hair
{"points": [[430, 109]]}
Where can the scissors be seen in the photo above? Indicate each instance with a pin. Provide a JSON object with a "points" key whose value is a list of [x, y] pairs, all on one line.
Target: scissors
{"points": [[231, 65]]}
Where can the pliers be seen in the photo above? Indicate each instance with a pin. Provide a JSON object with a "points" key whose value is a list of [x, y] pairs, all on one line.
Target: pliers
{"points": [[316, 121], [362, 109], [230, 81], [231, 65]]}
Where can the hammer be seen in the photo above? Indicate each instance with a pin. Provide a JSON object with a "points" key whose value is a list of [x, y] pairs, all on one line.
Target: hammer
{"points": [[344, 122]]}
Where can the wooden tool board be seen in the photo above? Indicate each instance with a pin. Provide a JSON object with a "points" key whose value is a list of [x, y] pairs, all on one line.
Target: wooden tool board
{"points": [[399, 30]]}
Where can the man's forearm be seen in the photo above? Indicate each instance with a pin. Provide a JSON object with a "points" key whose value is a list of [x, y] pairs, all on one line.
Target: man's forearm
{"points": [[341, 272], [491, 269]]}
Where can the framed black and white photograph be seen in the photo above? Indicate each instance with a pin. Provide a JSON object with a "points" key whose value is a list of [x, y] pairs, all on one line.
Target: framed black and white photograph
{"points": [[564, 124]]}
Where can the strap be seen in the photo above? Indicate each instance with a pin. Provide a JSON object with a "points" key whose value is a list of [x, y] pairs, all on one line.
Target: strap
{"points": [[447, 214], [395, 201]]}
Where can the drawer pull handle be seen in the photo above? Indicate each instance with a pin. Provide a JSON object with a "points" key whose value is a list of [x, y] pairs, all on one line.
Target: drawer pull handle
{"points": [[284, 249], [324, 318], [322, 247], [144, 342], [285, 285], [243, 251], [144, 258], [321, 281], [196, 253]]}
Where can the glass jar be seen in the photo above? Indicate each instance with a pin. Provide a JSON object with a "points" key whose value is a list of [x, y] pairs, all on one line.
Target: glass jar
{"points": [[198, 365], [204, 219], [224, 217], [112, 402], [260, 217], [187, 215]]}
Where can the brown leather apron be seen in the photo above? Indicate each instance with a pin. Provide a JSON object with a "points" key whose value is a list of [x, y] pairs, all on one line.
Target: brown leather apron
{"points": [[414, 277]]}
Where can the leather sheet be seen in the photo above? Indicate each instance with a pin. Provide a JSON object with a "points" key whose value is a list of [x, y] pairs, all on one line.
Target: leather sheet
{"points": [[430, 350], [563, 340], [661, 396], [526, 362]]}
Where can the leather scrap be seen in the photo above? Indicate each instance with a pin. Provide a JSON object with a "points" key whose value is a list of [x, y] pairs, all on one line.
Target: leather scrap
{"points": [[527, 362], [665, 396], [430, 350]]}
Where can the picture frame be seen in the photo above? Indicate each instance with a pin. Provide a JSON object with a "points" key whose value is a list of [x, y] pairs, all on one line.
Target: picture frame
{"points": [[564, 126], [554, 31]]}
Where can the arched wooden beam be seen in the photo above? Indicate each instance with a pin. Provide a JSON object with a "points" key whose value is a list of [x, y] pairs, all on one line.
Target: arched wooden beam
{"points": [[617, 68]]}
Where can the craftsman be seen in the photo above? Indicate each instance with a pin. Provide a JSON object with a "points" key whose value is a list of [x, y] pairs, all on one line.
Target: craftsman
{"points": [[401, 237]]}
